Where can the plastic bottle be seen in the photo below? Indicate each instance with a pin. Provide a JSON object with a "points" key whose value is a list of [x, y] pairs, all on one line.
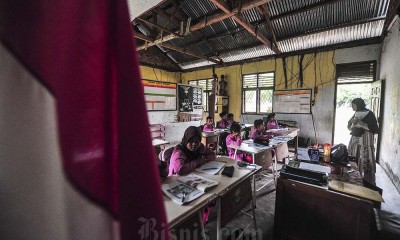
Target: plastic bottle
{"points": [[327, 152]]}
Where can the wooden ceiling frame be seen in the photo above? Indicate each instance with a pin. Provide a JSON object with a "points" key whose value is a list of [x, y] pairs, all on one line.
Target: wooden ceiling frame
{"points": [[301, 35], [160, 27], [246, 25], [177, 49], [246, 7], [207, 21], [264, 10]]}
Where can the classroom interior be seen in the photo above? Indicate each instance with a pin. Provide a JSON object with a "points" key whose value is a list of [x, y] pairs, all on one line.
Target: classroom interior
{"points": [[36, 194]]}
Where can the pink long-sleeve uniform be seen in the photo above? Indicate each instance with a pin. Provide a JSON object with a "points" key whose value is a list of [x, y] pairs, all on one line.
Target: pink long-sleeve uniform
{"points": [[236, 141], [181, 164]]}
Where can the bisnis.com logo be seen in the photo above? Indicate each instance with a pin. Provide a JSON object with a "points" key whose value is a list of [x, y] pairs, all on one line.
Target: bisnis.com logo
{"points": [[192, 231]]}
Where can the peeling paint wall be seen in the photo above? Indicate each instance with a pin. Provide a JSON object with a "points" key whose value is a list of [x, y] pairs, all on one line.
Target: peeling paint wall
{"points": [[390, 71]]}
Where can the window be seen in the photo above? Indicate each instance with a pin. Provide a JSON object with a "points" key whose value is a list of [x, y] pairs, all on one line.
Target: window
{"points": [[361, 72], [206, 84], [257, 92]]}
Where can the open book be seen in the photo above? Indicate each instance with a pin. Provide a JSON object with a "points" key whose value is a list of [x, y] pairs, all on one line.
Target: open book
{"points": [[187, 188]]}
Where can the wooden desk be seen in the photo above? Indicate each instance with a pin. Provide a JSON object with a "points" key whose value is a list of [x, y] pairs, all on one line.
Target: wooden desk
{"points": [[305, 211], [180, 215], [208, 138]]}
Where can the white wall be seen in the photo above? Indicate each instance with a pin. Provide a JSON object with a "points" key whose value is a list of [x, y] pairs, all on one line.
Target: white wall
{"points": [[36, 202], [390, 71]]}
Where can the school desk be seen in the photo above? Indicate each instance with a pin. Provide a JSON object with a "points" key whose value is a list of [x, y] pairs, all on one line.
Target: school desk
{"points": [[306, 211], [159, 142], [231, 195], [261, 155]]}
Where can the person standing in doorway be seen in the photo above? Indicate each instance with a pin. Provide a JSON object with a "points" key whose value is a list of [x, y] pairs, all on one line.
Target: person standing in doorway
{"points": [[363, 126]]}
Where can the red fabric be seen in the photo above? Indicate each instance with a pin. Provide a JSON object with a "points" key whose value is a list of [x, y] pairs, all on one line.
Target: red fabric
{"points": [[83, 51]]}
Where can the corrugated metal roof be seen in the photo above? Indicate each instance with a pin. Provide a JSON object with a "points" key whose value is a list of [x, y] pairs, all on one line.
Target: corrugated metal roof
{"points": [[305, 24]]}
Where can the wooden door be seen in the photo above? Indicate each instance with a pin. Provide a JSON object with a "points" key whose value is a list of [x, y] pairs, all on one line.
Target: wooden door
{"points": [[377, 98]]}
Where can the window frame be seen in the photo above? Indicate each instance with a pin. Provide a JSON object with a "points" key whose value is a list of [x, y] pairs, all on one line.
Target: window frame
{"points": [[258, 90], [207, 92]]}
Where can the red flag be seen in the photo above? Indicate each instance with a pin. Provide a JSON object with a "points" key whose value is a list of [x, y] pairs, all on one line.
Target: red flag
{"points": [[83, 52]]}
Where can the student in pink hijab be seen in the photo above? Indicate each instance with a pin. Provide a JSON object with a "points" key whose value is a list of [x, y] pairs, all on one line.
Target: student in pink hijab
{"points": [[190, 153]]}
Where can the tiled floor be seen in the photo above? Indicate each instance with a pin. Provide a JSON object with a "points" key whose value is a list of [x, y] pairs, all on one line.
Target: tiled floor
{"points": [[390, 193]]}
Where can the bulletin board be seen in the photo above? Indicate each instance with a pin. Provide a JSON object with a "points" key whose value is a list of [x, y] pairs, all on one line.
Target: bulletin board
{"points": [[189, 97], [159, 96], [292, 101]]}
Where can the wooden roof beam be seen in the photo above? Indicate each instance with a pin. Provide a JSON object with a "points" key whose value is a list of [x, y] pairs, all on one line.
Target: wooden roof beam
{"points": [[167, 15], [177, 49], [250, 28], [160, 27], [264, 10], [207, 21]]}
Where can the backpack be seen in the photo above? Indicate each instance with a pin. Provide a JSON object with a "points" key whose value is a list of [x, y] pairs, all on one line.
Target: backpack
{"points": [[339, 153]]}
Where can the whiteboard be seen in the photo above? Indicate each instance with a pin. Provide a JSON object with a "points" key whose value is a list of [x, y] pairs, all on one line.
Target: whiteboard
{"points": [[159, 96], [292, 101]]}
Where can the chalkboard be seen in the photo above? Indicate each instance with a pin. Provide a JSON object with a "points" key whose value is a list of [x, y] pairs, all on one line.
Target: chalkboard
{"points": [[292, 101], [189, 97], [159, 95]]}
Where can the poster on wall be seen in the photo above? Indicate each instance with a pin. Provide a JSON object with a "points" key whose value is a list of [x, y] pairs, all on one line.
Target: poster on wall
{"points": [[292, 101], [159, 96], [189, 97]]}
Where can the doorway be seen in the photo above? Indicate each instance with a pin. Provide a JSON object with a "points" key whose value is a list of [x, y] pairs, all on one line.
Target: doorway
{"points": [[345, 93]]}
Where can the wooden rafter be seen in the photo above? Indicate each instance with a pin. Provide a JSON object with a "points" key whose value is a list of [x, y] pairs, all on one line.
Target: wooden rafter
{"points": [[160, 27], [264, 10], [245, 24], [211, 47], [207, 21], [177, 49], [302, 35], [167, 15]]}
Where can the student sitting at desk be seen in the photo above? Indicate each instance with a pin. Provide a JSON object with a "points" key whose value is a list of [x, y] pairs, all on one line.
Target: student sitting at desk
{"points": [[230, 119], [235, 139], [272, 123], [209, 126], [190, 153], [258, 131], [223, 123]]}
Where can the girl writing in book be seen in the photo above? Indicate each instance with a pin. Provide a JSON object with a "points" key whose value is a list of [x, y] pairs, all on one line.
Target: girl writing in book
{"points": [[235, 139], [209, 126], [190, 153]]}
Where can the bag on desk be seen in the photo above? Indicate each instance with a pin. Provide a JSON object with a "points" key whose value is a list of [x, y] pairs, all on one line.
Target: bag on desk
{"points": [[264, 142], [339, 153]]}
